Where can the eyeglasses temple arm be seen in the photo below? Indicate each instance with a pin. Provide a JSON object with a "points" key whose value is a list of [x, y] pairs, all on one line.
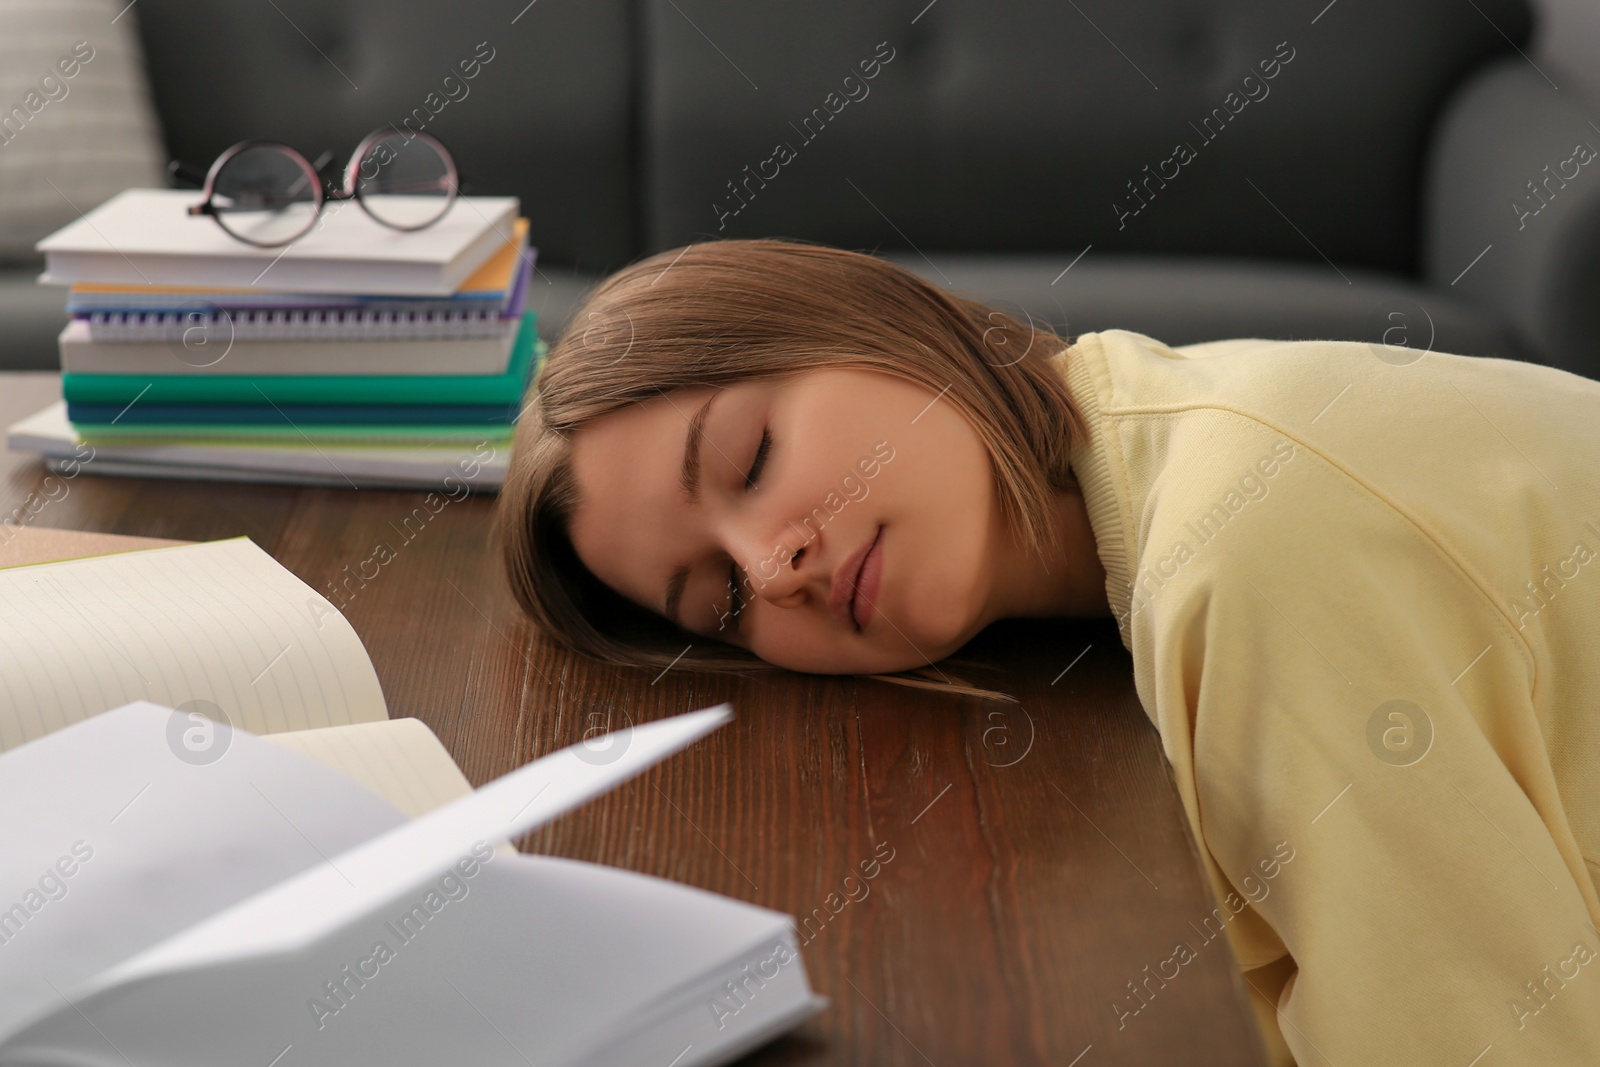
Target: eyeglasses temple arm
{"points": [[182, 172]]}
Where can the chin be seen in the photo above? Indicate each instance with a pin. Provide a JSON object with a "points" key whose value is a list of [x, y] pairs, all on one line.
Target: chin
{"points": [[910, 662], [873, 662]]}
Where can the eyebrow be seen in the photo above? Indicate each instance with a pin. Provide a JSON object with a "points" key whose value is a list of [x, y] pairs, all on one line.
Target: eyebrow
{"points": [[689, 480], [689, 477]]}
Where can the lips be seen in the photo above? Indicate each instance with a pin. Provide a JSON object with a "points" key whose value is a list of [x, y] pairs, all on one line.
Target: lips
{"points": [[854, 577], [867, 581]]}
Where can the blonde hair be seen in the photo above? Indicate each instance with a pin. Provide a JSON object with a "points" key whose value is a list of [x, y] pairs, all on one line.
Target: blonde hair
{"points": [[723, 312]]}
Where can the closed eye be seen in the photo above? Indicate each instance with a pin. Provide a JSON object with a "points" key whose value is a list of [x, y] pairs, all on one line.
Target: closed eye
{"points": [[735, 599], [760, 460]]}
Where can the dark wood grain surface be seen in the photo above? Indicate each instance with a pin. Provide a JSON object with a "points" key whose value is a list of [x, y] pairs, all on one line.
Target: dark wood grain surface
{"points": [[1032, 859]]}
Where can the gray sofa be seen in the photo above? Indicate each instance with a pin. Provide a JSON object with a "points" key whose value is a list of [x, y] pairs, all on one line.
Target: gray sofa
{"points": [[1192, 169]]}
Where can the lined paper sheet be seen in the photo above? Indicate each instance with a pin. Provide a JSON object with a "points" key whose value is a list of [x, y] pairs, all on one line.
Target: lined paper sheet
{"points": [[219, 625]]}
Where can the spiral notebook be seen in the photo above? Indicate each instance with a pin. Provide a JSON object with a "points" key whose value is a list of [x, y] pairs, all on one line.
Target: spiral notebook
{"points": [[225, 354]]}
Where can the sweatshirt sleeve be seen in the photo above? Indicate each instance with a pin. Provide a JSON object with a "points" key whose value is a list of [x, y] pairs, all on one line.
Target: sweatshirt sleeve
{"points": [[1349, 719]]}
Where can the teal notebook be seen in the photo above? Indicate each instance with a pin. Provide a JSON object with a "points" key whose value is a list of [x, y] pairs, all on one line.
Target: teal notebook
{"points": [[233, 434], [504, 388]]}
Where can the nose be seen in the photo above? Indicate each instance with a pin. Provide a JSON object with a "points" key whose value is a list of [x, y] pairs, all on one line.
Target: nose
{"points": [[781, 571]]}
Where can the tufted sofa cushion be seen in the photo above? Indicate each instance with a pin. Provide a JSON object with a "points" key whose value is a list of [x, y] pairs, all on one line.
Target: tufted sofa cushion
{"points": [[1208, 158], [1010, 126]]}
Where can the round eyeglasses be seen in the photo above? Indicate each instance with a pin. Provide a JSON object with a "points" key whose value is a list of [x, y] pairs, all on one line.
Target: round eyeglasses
{"points": [[267, 194]]}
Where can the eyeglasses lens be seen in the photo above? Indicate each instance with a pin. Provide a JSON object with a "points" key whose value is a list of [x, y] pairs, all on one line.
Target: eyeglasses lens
{"points": [[404, 183], [265, 195]]}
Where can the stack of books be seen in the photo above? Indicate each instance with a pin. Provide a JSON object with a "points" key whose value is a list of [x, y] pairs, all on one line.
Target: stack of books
{"points": [[358, 355]]}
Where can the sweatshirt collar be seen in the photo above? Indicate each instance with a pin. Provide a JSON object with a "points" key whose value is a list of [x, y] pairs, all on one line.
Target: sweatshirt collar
{"points": [[1099, 471]]}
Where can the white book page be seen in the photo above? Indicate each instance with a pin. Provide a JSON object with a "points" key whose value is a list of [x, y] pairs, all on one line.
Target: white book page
{"points": [[526, 960], [218, 628], [354, 884], [115, 839], [401, 760]]}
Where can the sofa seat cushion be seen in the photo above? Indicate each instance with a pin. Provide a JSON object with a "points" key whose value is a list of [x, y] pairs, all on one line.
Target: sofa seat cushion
{"points": [[1183, 300], [31, 318]]}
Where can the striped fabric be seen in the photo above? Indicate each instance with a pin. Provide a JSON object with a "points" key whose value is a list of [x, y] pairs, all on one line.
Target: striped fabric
{"points": [[76, 122]]}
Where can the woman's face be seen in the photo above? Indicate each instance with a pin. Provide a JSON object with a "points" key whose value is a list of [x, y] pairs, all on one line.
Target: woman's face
{"points": [[790, 482]]}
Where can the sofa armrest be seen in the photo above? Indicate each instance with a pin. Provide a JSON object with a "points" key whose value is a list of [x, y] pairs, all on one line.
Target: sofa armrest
{"points": [[1511, 211]]}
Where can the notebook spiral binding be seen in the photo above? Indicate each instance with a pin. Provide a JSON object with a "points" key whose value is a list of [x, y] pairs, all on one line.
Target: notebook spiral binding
{"points": [[296, 324]]}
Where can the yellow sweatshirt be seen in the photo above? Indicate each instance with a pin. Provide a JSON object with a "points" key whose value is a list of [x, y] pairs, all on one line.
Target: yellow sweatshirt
{"points": [[1361, 591]]}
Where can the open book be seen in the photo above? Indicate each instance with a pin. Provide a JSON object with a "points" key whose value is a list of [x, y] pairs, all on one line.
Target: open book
{"points": [[177, 890]]}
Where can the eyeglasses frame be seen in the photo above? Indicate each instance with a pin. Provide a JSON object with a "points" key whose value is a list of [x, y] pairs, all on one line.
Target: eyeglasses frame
{"points": [[325, 191]]}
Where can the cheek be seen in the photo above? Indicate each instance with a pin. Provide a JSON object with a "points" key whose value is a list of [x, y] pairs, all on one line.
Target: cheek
{"points": [[945, 497], [934, 589], [936, 497]]}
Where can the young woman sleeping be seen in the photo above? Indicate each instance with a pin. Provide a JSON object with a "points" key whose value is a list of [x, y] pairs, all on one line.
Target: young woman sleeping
{"points": [[1357, 585]]}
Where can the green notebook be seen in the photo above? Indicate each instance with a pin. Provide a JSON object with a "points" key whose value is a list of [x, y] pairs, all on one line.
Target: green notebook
{"points": [[504, 388]]}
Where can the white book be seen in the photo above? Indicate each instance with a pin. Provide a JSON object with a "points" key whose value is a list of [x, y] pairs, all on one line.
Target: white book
{"points": [[193, 893], [218, 353], [145, 236], [479, 465]]}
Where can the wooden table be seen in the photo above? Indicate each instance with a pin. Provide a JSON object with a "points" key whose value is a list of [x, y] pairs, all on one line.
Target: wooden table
{"points": [[1033, 860]]}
